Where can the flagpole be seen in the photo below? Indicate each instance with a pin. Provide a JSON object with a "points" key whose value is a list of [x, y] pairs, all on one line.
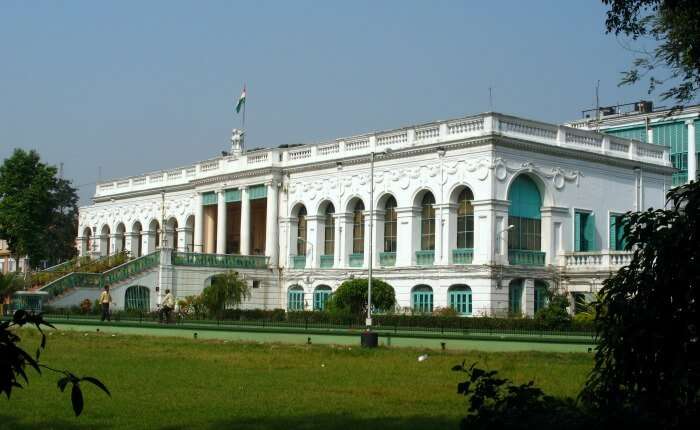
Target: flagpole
{"points": [[245, 91]]}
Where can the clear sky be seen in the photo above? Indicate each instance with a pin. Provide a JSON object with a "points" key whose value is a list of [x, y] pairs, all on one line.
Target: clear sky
{"points": [[136, 86]]}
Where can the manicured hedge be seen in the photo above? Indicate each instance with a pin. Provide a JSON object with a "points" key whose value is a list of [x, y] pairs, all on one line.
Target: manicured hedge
{"points": [[486, 323]]}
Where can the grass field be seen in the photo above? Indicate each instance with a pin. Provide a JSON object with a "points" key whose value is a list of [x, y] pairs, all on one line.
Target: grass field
{"points": [[176, 383]]}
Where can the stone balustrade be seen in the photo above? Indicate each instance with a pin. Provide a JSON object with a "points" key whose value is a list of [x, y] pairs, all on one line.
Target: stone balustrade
{"points": [[443, 132], [596, 261]]}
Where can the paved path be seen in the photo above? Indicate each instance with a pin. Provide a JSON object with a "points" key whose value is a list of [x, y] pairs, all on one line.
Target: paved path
{"points": [[298, 338]]}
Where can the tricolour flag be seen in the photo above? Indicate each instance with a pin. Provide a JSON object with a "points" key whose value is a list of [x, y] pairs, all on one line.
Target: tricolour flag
{"points": [[241, 101]]}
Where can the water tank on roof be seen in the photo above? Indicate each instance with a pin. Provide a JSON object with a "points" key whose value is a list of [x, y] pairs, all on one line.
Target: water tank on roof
{"points": [[643, 106]]}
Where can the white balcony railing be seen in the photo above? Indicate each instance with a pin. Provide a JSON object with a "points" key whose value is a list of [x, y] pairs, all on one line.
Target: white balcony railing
{"points": [[596, 261], [440, 132]]}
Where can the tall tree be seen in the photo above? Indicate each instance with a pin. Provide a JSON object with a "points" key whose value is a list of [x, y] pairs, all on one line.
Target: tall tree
{"points": [[648, 357], [674, 26], [37, 209]]}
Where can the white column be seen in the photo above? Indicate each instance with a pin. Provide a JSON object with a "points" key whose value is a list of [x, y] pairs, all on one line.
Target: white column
{"points": [[221, 223], [407, 220], [344, 221], [181, 245], [552, 243], [338, 255], [367, 241], [490, 235], [378, 239], [442, 232], [450, 242], [692, 160], [314, 232], [271, 233], [115, 243], [245, 221], [199, 224], [528, 299]]}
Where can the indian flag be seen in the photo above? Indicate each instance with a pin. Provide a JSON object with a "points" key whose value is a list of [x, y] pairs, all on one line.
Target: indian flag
{"points": [[241, 101]]}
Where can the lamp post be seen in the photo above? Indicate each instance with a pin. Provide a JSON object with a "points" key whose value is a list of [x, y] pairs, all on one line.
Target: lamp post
{"points": [[368, 322]]}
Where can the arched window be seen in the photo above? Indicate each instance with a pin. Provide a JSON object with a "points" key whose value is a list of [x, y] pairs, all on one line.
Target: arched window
{"points": [[515, 297], [427, 223], [390, 225], [295, 298], [329, 231], [358, 228], [301, 231], [120, 245], [137, 298], [524, 214], [422, 298], [465, 219], [321, 295], [540, 295], [460, 297]]}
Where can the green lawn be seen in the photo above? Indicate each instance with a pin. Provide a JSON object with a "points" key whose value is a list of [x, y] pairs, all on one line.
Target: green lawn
{"points": [[176, 383]]}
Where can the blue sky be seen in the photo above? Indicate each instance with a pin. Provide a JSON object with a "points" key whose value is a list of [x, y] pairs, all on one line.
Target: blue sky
{"points": [[135, 86]]}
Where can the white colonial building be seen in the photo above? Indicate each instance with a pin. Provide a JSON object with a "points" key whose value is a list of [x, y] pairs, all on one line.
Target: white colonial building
{"points": [[478, 213]]}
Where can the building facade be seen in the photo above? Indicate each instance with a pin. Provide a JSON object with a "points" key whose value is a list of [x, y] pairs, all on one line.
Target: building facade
{"points": [[480, 214], [679, 131]]}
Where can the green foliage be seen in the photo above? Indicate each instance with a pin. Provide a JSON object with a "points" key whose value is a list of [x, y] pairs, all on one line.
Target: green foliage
{"points": [[445, 312], [38, 211], [351, 297], [16, 360], [674, 27], [497, 403], [555, 315], [648, 358], [478, 323], [226, 291], [9, 284]]}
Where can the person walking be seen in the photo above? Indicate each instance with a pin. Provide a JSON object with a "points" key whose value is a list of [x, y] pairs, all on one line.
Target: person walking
{"points": [[167, 306], [105, 300]]}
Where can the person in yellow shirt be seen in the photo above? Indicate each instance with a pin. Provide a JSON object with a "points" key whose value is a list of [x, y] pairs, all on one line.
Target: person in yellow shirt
{"points": [[167, 306], [105, 299]]}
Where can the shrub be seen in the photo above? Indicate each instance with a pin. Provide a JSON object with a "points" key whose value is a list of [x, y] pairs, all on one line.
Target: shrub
{"points": [[445, 312], [497, 403], [555, 315], [351, 297], [226, 290]]}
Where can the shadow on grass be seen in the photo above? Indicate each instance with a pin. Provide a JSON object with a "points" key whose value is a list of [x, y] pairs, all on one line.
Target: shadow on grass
{"points": [[330, 421], [8, 422]]}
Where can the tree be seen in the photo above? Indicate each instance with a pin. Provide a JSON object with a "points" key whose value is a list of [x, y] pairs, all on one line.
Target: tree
{"points": [[14, 361], [38, 211], [555, 315], [648, 358], [674, 25], [351, 296], [226, 290], [9, 284]]}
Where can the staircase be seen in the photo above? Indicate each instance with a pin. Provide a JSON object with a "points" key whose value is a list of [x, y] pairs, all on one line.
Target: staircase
{"points": [[96, 281]]}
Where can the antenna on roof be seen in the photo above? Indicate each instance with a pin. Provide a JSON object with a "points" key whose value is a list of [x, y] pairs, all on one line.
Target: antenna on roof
{"points": [[597, 107], [490, 100]]}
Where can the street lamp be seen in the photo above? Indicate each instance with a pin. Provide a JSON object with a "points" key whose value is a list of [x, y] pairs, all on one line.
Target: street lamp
{"points": [[385, 152]]}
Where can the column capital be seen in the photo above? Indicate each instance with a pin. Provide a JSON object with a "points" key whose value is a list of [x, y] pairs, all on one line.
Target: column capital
{"points": [[445, 206], [691, 121], [504, 204], [554, 210], [408, 211], [242, 187]]}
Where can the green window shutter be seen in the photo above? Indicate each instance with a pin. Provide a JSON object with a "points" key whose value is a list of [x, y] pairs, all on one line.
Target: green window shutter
{"points": [[525, 199], [613, 232], [209, 199], [589, 233], [233, 196], [577, 231], [257, 192]]}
